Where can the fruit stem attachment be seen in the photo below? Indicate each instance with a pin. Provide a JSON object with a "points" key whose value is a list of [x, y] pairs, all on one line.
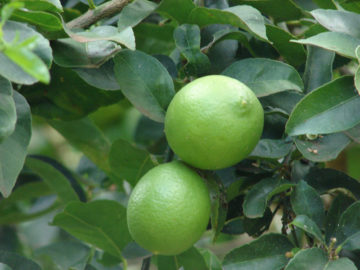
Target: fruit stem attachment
{"points": [[103, 11]]}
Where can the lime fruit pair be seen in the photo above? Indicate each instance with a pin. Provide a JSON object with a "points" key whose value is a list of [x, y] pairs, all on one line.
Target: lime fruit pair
{"points": [[212, 123]]}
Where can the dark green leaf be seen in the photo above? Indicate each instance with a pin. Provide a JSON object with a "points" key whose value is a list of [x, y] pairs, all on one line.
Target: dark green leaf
{"points": [[324, 148], [318, 69], [357, 79], [102, 77], [187, 40], [44, 5], [265, 253], [306, 201], [70, 53], [88, 138], [285, 101], [328, 109], [272, 149], [54, 179], [134, 13], [312, 258], [7, 109], [128, 161], [338, 206], [145, 82], [265, 76], [192, 259], [342, 263], [176, 9], [14, 148], [211, 260], [41, 50], [257, 226], [67, 97], [349, 224], [100, 223], [308, 225], [257, 198], [17, 262], [66, 255], [44, 21], [245, 17], [338, 21], [340, 43], [234, 226], [293, 53], [326, 179]]}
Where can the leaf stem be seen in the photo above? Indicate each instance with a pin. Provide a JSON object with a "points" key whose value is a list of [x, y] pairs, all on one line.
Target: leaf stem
{"points": [[293, 233], [91, 4]]}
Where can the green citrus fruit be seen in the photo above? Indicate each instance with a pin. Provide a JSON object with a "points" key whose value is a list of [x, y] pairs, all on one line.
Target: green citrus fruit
{"points": [[214, 122], [169, 209]]}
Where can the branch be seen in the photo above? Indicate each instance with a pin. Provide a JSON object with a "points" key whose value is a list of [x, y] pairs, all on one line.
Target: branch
{"points": [[105, 10]]}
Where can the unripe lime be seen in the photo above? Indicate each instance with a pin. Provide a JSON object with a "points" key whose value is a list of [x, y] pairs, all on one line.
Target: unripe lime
{"points": [[168, 209], [214, 122]]}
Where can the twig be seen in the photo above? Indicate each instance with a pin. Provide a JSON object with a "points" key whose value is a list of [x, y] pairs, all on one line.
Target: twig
{"points": [[105, 10]]}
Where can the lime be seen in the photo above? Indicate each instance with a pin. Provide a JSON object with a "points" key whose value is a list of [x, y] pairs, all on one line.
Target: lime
{"points": [[214, 122], [168, 209]]}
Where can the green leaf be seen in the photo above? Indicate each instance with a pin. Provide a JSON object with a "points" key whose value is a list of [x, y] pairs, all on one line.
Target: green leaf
{"points": [[280, 10], [102, 77], [326, 179], [338, 21], [243, 16], [357, 79], [187, 40], [349, 224], [88, 138], [71, 53], [44, 5], [257, 198], [67, 97], [338, 206], [133, 13], [342, 263], [192, 259], [106, 33], [17, 262], [66, 255], [13, 149], [306, 201], [265, 253], [176, 9], [234, 226], [100, 223], [293, 53], [7, 109], [308, 225], [145, 82], [41, 50], [330, 108], [54, 179], [265, 76], [340, 43], [324, 148], [211, 260], [312, 258], [271, 149], [44, 21], [128, 161], [318, 69]]}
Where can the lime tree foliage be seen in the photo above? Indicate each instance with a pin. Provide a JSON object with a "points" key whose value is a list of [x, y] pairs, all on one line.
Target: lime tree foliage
{"points": [[63, 64]]}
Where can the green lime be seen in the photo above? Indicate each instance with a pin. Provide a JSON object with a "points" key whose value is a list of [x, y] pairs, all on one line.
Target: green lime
{"points": [[168, 209], [214, 122]]}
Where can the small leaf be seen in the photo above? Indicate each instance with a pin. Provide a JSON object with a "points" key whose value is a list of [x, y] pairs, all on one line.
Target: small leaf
{"points": [[211, 260], [265, 253], [7, 109], [306, 224], [17, 262], [13, 149], [134, 13], [306, 201], [340, 43], [312, 258], [187, 40], [54, 179], [192, 259], [101, 223], [128, 161], [145, 82], [328, 109], [342, 263], [260, 194], [324, 148], [176, 9], [271, 149], [338, 21], [265, 76]]}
